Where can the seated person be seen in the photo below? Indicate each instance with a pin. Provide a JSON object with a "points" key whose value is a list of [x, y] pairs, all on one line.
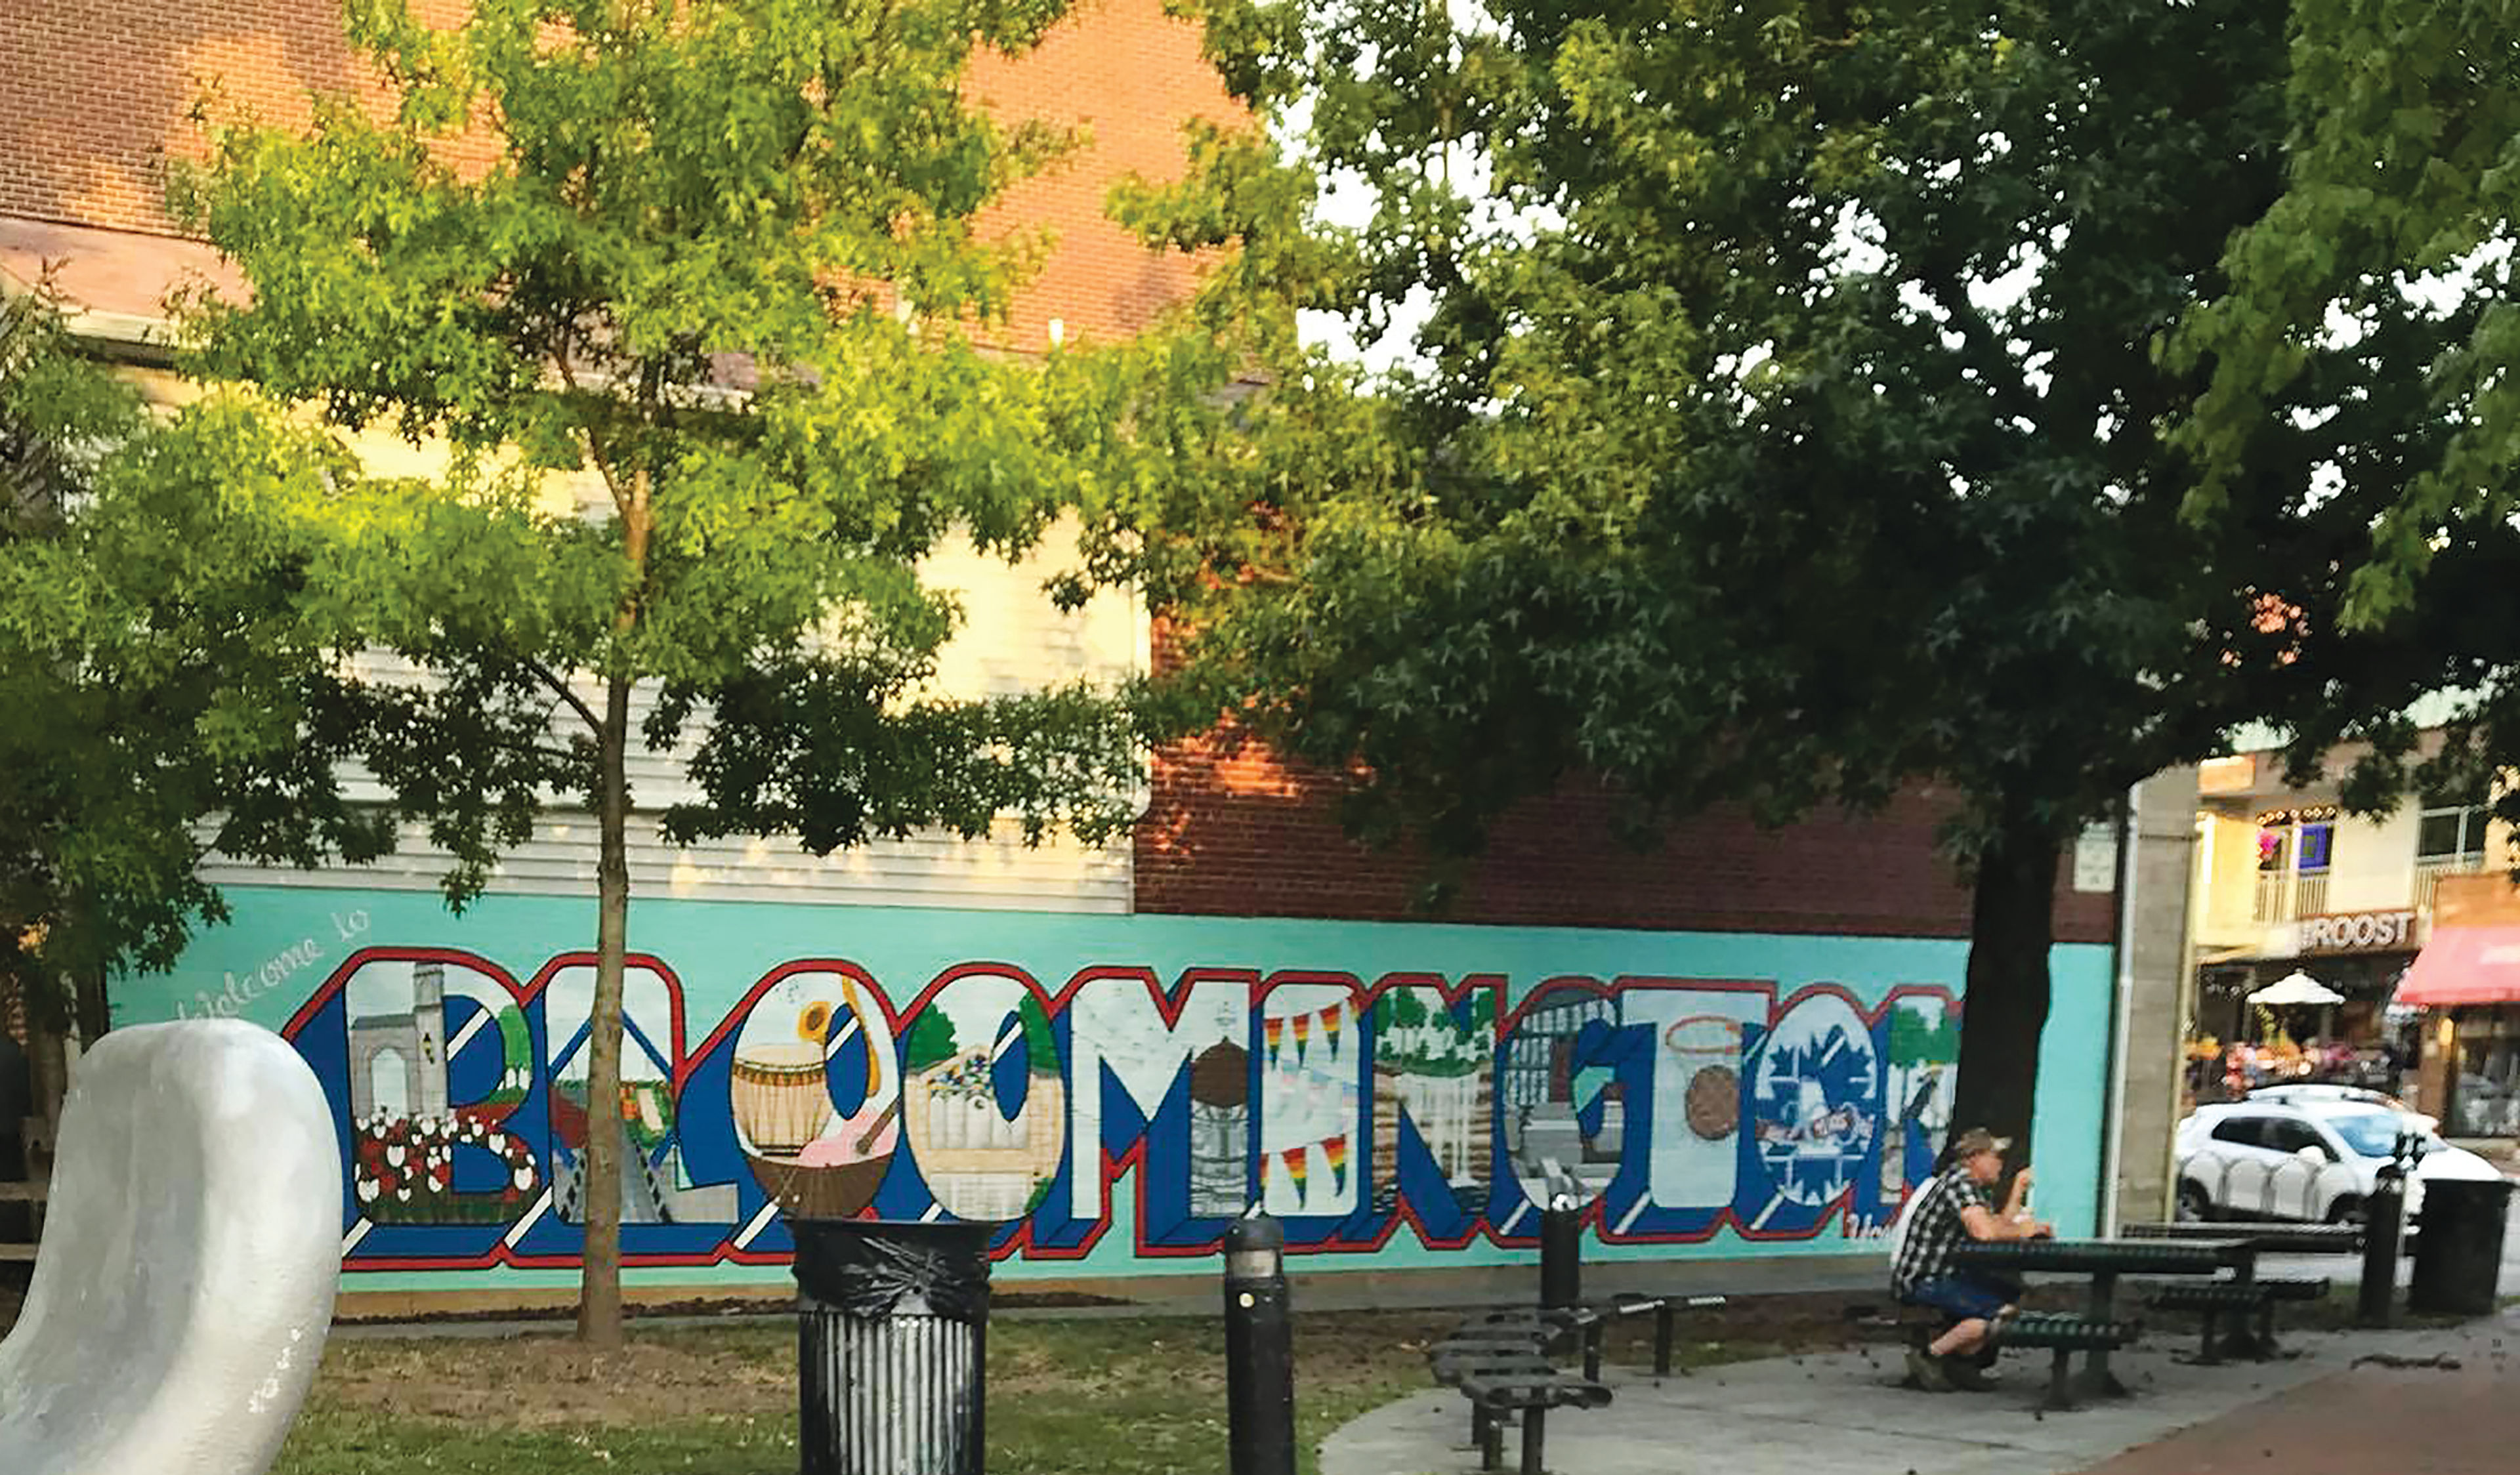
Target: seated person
{"points": [[1951, 1208]]}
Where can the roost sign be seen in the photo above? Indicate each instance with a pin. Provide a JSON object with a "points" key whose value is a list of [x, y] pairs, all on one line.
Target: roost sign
{"points": [[2359, 931]]}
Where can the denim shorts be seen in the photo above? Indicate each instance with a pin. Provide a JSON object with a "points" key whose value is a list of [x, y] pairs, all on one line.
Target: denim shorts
{"points": [[1963, 1298]]}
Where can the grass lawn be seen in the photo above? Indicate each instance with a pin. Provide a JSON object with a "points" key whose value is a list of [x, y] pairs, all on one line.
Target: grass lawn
{"points": [[1081, 1396]]}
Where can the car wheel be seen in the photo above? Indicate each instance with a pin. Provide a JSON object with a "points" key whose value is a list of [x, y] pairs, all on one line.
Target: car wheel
{"points": [[2193, 1201], [2347, 1209]]}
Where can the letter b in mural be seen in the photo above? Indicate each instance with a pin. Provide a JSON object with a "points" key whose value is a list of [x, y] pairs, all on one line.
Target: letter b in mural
{"points": [[429, 1058]]}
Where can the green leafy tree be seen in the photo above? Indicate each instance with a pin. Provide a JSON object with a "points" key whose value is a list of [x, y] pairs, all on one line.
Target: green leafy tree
{"points": [[1780, 421], [164, 694], [697, 301], [2402, 184], [2402, 180]]}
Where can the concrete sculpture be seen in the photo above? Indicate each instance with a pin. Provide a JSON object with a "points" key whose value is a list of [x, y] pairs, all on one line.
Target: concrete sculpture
{"points": [[186, 1278]]}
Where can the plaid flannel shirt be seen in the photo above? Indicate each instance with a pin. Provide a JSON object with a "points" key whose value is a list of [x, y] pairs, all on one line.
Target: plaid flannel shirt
{"points": [[1925, 1254]]}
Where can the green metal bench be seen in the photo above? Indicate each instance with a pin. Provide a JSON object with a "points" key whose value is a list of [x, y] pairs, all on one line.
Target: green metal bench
{"points": [[2063, 1334], [2241, 1301], [1499, 1360]]}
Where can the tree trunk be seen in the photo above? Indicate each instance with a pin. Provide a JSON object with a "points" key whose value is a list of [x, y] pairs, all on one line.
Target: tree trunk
{"points": [[95, 1011], [599, 1302], [2012, 922]]}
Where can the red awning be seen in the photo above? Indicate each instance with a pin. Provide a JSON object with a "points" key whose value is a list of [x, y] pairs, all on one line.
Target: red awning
{"points": [[2465, 965]]}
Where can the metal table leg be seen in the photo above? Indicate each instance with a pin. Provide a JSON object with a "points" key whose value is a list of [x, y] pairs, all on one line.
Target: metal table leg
{"points": [[2103, 1305]]}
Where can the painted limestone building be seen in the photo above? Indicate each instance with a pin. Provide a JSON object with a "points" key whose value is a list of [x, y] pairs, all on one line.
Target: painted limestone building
{"points": [[1739, 1045]]}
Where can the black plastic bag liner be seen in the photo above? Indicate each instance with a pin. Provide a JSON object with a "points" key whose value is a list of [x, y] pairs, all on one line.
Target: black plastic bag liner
{"points": [[870, 1266]]}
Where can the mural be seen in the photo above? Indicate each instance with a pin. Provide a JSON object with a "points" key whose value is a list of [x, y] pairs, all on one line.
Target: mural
{"points": [[1377, 1110]]}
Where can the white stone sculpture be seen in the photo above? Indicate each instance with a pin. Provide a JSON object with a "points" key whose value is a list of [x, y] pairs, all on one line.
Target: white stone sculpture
{"points": [[190, 1255]]}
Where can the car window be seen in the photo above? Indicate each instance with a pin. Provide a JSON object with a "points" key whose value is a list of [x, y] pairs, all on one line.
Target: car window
{"points": [[2368, 1134], [2248, 1130], [2287, 1136]]}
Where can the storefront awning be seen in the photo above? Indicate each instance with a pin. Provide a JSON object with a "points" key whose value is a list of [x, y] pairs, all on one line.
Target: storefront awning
{"points": [[2478, 965]]}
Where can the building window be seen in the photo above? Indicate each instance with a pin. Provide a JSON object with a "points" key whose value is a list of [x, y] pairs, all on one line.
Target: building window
{"points": [[2454, 834], [2294, 849], [2450, 840]]}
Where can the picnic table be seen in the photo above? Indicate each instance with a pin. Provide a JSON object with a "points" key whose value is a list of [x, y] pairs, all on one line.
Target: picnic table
{"points": [[2104, 1260]]}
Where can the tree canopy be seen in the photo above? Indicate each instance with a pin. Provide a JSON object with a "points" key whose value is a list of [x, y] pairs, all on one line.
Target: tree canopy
{"points": [[164, 693], [2400, 189], [697, 304], [1777, 418]]}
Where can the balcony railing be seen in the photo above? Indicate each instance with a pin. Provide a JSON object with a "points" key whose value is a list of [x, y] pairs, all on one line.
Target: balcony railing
{"points": [[2430, 868], [2284, 896]]}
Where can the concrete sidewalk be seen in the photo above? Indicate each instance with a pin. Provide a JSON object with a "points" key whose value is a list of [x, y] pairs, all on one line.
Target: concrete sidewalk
{"points": [[1843, 1411]]}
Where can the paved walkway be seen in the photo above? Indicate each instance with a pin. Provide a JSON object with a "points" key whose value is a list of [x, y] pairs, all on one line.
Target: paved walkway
{"points": [[2314, 1415]]}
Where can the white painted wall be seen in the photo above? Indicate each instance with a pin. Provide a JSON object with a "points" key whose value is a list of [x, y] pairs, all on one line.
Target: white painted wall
{"points": [[2373, 864], [1012, 639]]}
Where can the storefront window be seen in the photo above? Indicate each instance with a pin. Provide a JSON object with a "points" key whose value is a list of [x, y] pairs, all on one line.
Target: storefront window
{"points": [[2485, 1092]]}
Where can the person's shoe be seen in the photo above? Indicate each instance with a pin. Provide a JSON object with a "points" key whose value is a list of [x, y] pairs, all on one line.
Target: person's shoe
{"points": [[1925, 1372], [1963, 1371]]}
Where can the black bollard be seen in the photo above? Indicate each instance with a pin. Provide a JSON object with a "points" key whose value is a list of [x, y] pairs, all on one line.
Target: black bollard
{"points": [[1561, 1253], [1259, 1349], [2381, 1217]]}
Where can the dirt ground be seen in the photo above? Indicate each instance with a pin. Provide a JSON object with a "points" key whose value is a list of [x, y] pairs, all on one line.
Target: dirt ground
{"points": [[697, 1373], [747, 1365]]}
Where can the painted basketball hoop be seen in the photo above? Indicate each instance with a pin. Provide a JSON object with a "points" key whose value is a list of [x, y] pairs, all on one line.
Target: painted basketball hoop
{"points": [[1712, 1106]]}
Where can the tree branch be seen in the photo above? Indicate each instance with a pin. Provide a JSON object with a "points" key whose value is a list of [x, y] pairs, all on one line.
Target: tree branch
{"points": [[560, 687], [594, 450], [2010, 389]]}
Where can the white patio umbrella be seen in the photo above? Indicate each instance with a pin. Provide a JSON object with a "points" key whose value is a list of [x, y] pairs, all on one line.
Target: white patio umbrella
{"points": [[2298, 987]]}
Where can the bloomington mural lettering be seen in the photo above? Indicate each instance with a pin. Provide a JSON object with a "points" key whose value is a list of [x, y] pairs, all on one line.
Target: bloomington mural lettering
{"points": [[1446, 1108], [1111, 1090]]}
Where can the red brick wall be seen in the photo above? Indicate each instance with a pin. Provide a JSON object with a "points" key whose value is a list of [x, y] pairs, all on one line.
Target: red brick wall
{"points": [[94, 95], [1233, 832]]}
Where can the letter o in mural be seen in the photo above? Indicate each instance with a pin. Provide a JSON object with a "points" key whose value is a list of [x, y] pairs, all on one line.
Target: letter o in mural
{"points": [[1814, 1101], [983, 1094], [816, 1093]]}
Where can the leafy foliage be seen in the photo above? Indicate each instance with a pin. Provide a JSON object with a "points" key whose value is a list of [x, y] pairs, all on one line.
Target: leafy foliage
{"points": [[697, 301], [1778, 419], [2402, 186], [2402, 181], [165, 690]]}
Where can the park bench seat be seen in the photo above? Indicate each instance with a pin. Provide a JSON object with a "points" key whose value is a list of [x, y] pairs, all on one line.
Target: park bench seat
{"points": [[2240, 1300], [2064, 1334], [1499, 1360]]}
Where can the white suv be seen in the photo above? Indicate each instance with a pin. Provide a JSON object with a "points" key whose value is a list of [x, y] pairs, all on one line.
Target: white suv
{"points": [[2322, 1093], [2316, 1160]]}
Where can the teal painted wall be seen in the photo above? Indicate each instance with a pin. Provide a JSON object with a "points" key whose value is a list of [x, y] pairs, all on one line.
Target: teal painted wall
{"points": [[1116, 1088]]}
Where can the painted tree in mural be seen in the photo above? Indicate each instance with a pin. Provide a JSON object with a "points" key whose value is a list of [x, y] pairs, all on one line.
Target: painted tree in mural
{"points": [[164, 692], [696, 300], [1775, 418]]}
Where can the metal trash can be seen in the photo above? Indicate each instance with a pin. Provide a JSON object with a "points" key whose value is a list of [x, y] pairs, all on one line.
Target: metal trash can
{"points": [[892, 1345], [2458, 1255]]}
